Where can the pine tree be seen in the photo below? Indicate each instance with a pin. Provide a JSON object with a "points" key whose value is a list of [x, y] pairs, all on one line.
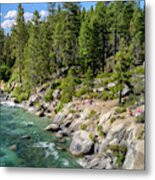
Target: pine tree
{"points": [[19, 40], [122, 74]]}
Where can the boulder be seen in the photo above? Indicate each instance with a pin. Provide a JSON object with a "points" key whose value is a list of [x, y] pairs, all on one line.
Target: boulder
{"points": [[56, 94], [125, 91], [40, 113], [52, 127], [33, 99], [111, 85], [135, 156], [81, 143]]}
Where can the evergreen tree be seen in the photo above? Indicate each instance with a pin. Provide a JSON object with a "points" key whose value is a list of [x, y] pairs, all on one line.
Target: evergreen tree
{"points": [[123, 63], [19, 40]]}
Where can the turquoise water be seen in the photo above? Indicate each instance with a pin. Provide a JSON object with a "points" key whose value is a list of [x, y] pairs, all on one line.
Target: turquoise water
{"points": [[39, 149]]}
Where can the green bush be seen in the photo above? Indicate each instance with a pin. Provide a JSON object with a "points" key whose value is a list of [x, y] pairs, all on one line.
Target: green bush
{"points": [[23, 97], [59, 107], [20, 94], [101, 131], [81, 91], [92, 137], [92, 114], [119, 151], [104, 96], [83, 126], [120, 109], [7, 88], [48, 95], [140, 118]]}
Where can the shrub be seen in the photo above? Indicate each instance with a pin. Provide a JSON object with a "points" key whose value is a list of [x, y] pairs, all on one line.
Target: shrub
{"points": [[81, 91], [83, 126], [7, 88], [92, 137], [20, 94], [48, 95], [120, 109], [119, 151], [59, 107], [92, 114], [23, 96], [140, 118], [104, 96], [101, 131]]}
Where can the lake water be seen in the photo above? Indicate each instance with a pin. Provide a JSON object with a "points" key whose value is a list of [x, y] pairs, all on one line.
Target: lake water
{"points": [[33, 147]]}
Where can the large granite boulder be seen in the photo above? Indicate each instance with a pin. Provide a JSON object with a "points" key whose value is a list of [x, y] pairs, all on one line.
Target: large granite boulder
{"points": [[135, 156], [81, 143]]}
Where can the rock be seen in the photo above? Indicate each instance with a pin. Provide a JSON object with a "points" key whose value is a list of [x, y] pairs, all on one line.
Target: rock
{"points": [[56, 94], [40, 113], [104, 117], [33, 99], [81, 143], [52, 127], [125, 91], [111, 84], [135, 156], [13, 147]]}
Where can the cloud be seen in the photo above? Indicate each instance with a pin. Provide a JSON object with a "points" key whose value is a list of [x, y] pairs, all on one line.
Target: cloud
{"points": [[1, 14], [28, 16], [43, 13], [11, 14], [8, 23]]}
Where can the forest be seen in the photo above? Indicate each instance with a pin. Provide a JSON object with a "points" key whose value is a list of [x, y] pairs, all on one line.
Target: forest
{"points": [[76, 46]]}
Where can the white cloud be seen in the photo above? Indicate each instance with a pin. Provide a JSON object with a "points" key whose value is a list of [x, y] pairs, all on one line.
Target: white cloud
{"points": [[11, 14], [28, 16], [8, 23], [43, 13]]}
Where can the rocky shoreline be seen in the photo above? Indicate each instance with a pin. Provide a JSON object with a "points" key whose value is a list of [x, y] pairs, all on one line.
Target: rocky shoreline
{"points": [[101, 137]]}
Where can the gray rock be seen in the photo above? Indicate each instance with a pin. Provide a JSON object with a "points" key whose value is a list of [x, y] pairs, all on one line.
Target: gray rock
{"points": [[40, 113], [56, 94], [125, 91], [135, 156], [52, 127], [81, 143], [111, 84]]}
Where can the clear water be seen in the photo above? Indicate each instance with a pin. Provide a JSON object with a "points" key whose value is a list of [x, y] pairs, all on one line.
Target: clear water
{"points": [[41, 149]]}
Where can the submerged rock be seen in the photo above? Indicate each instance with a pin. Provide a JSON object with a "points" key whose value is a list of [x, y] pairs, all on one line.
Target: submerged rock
{"points": [[13, 147]]}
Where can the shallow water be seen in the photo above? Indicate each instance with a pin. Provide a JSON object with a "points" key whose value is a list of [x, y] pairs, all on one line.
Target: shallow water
{"points": [[34, 146]]}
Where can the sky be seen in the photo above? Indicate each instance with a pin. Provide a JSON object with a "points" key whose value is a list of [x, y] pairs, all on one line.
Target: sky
{"points": [[8, 12]]}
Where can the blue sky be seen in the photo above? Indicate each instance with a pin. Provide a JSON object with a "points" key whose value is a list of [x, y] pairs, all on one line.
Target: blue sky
{"points": [[9, 11]]}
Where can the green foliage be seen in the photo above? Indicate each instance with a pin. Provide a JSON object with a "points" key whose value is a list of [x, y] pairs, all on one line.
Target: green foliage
{"points": [[59, 107], [141, 118], [119, 151], [120, 109], [48, 95], [92, 137], [89, 78], [20, 94], [7, 88], [4, 72], [92, 114], [101, 131], [81, 91], [83, 126], [68, 88]]}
